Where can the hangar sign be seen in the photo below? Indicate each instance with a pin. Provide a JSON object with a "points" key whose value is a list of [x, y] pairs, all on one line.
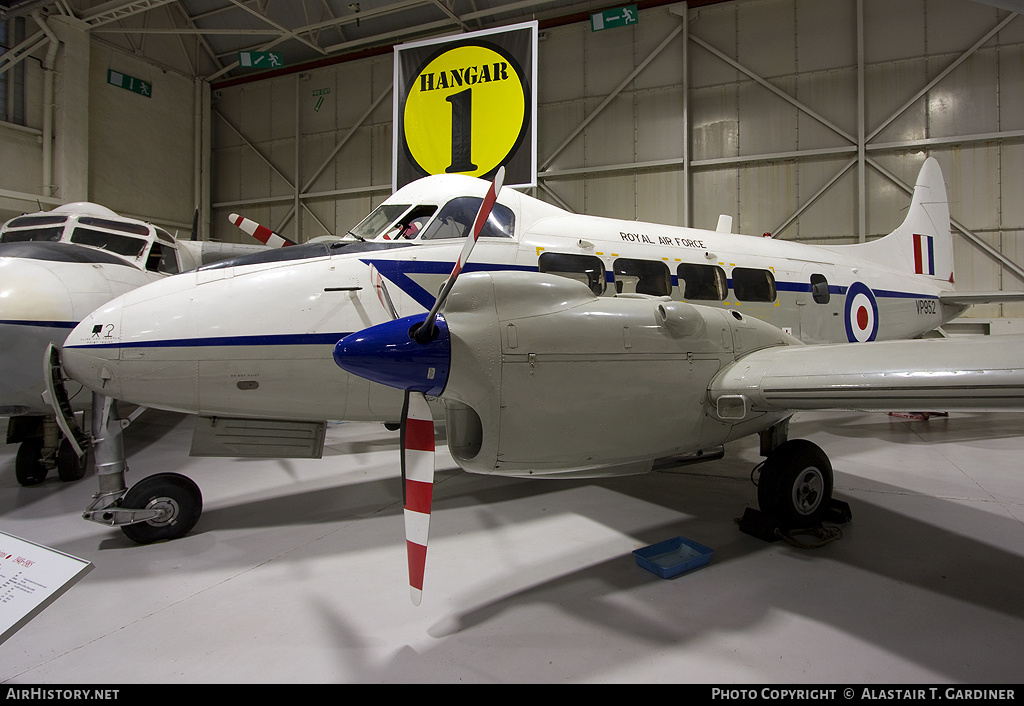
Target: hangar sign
{"points": [[467, 105]]}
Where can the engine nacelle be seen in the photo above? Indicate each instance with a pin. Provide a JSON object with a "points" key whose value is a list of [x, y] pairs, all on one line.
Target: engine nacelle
{"points": [[547, 379]]}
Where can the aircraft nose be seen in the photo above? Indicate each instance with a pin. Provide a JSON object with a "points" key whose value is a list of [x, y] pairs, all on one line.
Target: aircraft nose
{"points": [[91, 351], [30, 292], [388, 354]]}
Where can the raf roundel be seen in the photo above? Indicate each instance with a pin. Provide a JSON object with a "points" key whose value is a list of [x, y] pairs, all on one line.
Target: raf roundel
{"points": [[861, 314]]}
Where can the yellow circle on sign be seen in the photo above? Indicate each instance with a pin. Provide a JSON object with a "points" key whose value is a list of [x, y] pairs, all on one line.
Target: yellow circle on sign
{"points": [[465, 112]]}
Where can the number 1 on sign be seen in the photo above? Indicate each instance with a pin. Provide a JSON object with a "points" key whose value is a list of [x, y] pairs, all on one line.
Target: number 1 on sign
{"points": [[462, 132]]}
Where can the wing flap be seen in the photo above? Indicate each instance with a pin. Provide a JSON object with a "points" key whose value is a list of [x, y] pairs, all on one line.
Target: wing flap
{"points": [[981, 373]]}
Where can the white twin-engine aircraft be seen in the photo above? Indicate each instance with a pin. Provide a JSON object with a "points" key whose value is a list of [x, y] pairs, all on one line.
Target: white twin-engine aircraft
{"points": [[56, 267], [574, 345]]}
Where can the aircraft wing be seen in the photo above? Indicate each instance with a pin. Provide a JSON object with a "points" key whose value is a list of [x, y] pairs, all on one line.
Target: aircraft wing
{"points": [[978, 373]]}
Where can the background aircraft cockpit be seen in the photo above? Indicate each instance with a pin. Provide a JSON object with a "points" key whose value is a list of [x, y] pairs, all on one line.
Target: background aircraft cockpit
{"points": [[145, 246]]}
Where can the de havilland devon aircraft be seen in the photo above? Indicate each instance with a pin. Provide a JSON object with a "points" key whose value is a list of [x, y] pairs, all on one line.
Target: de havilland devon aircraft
{"points": [[56, 267], [573, 345]]}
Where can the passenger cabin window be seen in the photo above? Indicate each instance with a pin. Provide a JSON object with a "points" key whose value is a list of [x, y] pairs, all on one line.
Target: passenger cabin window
{"points": [[753, 285], [702, 282], [456, 218], [819, 289], [642, 277], [583, 268]]}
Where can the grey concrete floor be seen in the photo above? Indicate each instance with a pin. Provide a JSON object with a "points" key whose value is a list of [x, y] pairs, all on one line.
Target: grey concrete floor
{"points": [[296, 570]]}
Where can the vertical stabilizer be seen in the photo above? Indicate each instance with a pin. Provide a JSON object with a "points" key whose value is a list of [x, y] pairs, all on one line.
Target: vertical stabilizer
{"points": [[923, 243]]}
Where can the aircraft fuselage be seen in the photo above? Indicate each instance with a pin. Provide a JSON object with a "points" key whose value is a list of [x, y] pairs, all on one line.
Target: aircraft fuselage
{"points": [[256, 340]]}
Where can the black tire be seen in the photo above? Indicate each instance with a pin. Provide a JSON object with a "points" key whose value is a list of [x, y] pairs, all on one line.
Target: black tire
{"points": [[28, 465], [795, 485], [69, 466], [172, 491]]}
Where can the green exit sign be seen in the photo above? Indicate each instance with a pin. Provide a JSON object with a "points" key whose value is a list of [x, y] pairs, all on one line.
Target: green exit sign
{"points": [[135, 85], [260, 59], [619, 17]]}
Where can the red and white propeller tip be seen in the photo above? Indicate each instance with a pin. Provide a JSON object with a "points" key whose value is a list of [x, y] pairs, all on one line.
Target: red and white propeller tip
{"points": [[260, 232], [418, 454]]}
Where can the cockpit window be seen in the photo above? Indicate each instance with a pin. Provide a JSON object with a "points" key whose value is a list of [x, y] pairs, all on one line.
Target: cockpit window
{"points": [[32, 235], [135, 228], [457, 216], [162, 258], [164, 235], [410, 226], [120, 244], [379, 219], [25, 221]]}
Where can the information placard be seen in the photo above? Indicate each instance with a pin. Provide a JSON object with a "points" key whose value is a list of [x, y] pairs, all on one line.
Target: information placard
{"points": [[31, 578]]}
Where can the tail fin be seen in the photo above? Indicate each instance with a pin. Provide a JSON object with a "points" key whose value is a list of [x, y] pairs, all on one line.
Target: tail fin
{"points": [[923, 243]]}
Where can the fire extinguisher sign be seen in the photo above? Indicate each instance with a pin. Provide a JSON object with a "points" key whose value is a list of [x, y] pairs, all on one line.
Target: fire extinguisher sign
{"points": [[467, 105]]}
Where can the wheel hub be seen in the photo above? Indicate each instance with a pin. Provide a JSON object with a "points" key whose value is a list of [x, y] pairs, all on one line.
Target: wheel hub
{"points": [[808, 490], [166, 509]]}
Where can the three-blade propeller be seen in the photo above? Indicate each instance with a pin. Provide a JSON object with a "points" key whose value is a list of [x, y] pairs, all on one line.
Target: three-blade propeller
{"points": [[412, 355]]}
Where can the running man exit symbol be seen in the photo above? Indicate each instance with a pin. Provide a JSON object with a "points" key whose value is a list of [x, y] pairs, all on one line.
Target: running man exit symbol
{"points": [[260, 59], [619, 17]]}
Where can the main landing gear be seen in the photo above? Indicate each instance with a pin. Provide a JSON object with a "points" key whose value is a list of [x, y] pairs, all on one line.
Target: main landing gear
{"points": [[794, 488], [158, 508], [42, 448]]}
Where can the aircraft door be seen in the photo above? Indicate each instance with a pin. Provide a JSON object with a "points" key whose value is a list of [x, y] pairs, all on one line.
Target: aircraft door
{"points": [[818, 305]]}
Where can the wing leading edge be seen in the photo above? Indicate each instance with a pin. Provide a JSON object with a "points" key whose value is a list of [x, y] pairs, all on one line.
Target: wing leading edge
{"points": [[962, 374]]}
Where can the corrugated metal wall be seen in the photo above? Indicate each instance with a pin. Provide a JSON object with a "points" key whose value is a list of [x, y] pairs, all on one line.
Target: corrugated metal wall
{"points": [[769, 128]]}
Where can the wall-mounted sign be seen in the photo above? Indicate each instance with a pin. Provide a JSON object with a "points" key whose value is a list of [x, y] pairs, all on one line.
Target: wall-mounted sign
{"points": [[467, 105], [135, 85], [260, 59], [318, 96], [619, 17]]}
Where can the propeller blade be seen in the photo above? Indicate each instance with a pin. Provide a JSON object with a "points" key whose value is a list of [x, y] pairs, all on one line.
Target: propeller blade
{"points": [[425, 331], [418, 476], [382, 292], [260, 232]]}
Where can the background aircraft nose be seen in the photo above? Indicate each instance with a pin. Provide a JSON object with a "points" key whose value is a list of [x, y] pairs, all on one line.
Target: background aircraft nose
{"points": [[35, 310], [31, 291], [388, 354]]}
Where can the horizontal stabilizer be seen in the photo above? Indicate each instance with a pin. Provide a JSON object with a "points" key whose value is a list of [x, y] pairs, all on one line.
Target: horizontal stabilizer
{"points": [[969, 298], [964, 373]]}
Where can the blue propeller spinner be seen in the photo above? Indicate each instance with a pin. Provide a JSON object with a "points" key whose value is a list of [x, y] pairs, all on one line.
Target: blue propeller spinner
{"points": [[392, 354]]}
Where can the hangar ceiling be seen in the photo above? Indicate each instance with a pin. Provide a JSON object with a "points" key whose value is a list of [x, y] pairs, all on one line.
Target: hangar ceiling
{"points": [[204, 37]]}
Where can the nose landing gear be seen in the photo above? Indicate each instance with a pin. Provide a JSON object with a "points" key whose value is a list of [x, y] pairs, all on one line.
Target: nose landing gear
{"points": [[157, 508]]}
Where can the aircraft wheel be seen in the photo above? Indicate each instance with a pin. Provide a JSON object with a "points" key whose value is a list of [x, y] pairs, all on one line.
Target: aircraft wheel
{"points": [[795, 484], [28, 464], [174, 493], [69, 466]]}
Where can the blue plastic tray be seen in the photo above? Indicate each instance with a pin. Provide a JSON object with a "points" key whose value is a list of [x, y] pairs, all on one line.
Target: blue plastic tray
{"points": [[673, 557]]}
